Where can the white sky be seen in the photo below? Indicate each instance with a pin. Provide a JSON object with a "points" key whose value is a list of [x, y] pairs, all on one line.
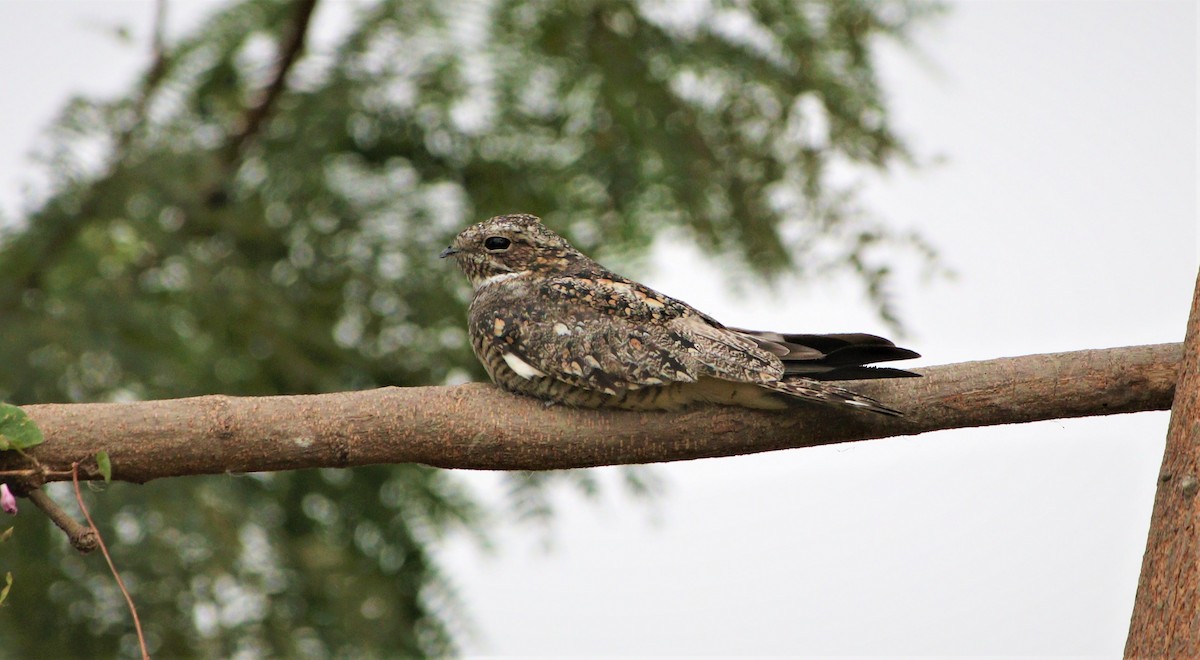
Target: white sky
{"points": [[1067, 204]]}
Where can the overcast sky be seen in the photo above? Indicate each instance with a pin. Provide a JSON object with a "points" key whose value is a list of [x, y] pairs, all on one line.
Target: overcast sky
{"points": [[1064, 195]]}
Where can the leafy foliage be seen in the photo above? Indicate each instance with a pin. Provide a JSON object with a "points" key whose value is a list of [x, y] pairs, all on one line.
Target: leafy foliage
{"points": [[17, 431], [8, 580], [104, 465], [306, 262]]}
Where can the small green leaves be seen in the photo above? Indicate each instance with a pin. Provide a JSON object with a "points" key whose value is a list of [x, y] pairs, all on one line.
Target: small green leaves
{"points": [[6, 534], [7, 586], [104, 465], [17, 431]]}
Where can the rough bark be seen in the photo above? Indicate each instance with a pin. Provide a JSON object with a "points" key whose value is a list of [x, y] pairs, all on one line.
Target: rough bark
{"points": [[480, 427], [1166, 613]]}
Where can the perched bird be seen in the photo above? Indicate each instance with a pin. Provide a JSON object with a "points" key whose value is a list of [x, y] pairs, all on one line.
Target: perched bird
{"points": [[549, 322]]}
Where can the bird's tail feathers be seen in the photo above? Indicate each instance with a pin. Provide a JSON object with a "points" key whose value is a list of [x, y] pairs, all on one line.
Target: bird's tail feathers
{"points": [[832, 357], [810, 390]]}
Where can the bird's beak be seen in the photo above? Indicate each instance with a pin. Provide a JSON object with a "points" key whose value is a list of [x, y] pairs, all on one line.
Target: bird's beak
{"points": [[449, 252]]}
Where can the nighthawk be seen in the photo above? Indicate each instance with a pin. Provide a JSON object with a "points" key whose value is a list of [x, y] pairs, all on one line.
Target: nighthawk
{"points": [[549, 322]]}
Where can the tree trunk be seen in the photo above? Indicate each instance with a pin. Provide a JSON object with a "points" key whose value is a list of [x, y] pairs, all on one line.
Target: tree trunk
{"points": [[1166, 613]]}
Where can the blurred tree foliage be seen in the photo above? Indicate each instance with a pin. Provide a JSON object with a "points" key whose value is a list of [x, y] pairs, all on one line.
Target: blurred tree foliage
{"points": [[209, 252]]}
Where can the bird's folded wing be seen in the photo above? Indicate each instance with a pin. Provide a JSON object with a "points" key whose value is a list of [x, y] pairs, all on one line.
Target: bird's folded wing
{"points": [[726, 354], [611, 335], [586, 348]]}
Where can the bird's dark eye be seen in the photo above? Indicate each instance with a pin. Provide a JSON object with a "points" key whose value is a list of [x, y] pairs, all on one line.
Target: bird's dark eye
{"points": [[496, 243]]}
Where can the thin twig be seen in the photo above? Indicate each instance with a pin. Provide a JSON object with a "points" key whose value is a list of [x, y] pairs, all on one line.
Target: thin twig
{"points": [[83, 539], [28, 473], [150, 82], [290, 46], [158, 39], [108, 558]]}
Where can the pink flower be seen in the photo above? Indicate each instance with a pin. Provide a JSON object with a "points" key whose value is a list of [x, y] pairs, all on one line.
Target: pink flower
{"points": [[8, 502]]}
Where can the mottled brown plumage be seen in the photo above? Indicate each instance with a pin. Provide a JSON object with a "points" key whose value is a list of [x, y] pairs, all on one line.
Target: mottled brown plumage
{"points": [[549, 322]]}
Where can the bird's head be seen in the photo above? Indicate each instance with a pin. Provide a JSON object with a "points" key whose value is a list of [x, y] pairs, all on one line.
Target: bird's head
{"points": [[510, 245]]}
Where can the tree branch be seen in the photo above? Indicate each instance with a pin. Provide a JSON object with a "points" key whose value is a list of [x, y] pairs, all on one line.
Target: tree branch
{"points": [[291, 44], [82, 538], [1166, 612], [477, 426]]}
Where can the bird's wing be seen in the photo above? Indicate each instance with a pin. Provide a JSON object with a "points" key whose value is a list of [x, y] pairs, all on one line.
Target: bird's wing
{"points": [[611, 335], [726, 354]]}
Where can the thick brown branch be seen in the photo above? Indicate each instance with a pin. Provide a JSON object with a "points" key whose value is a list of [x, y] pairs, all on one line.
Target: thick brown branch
{"points": [[478, 426], [1166, 613]]}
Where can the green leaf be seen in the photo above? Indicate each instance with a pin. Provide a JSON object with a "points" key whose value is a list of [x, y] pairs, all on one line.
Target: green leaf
{"points": [[104, 465], [7, 586], [17, 431], [6, 534]]}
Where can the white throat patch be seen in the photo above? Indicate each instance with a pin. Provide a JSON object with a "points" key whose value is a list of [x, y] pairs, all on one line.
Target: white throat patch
{"points": [[500, 277], [521, 367]]}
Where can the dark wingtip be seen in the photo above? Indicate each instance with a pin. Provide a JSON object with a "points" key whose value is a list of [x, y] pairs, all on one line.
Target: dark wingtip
{"points": [[866, 354]]}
